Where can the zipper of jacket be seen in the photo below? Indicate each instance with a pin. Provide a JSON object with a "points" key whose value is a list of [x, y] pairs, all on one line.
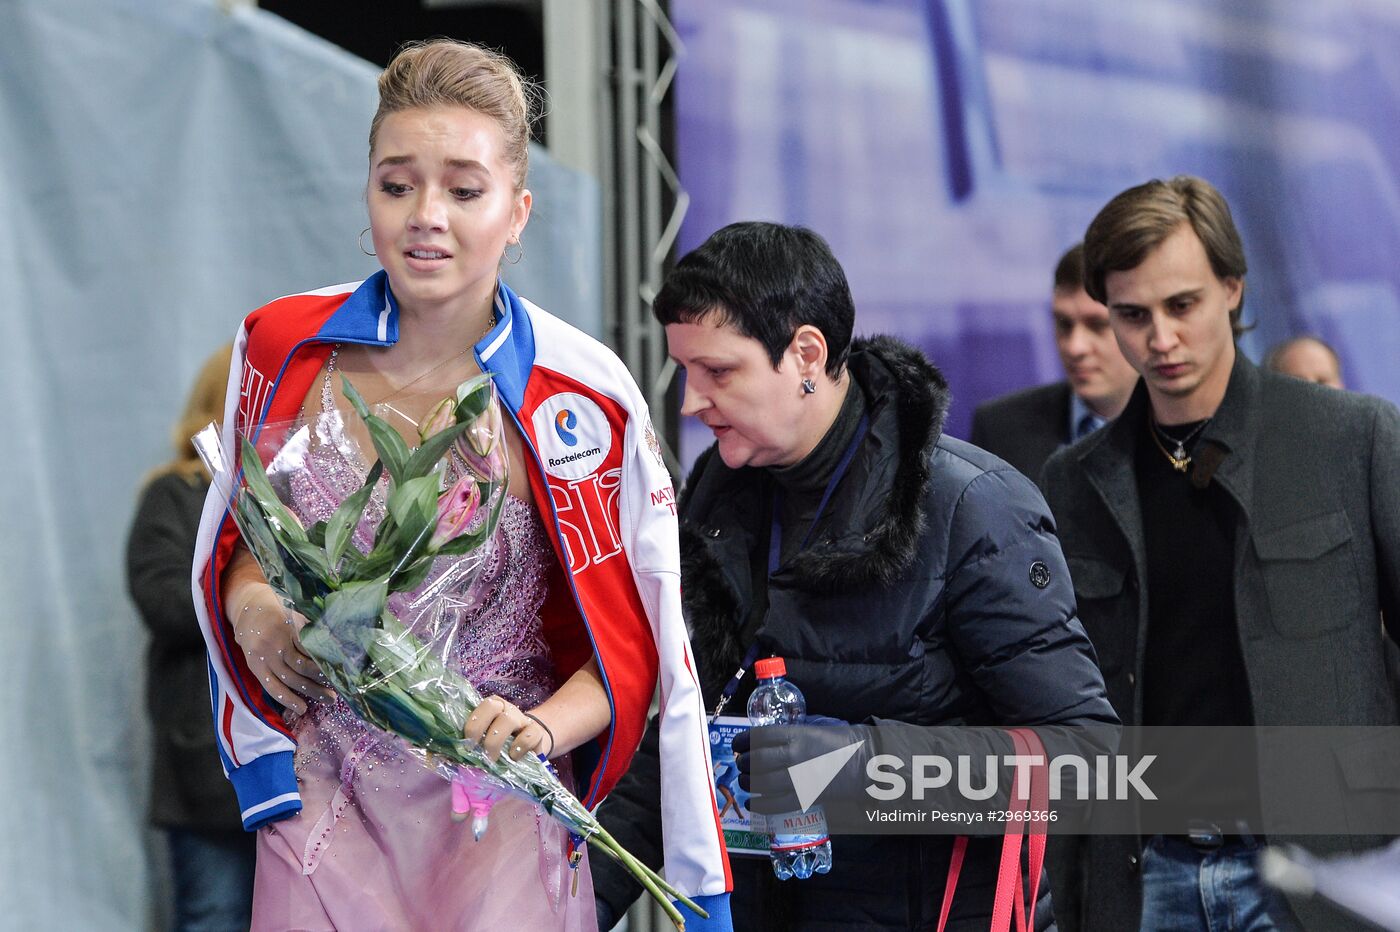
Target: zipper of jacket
{"points": [[573, 589]]}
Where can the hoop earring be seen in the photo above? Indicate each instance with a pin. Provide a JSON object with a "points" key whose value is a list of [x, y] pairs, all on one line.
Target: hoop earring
{"points": [[809, 387], [361, 241], [519, 252]]}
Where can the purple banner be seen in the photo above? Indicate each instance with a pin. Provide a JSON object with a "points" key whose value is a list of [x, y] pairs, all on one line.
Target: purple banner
{"points": [[951, 150]]}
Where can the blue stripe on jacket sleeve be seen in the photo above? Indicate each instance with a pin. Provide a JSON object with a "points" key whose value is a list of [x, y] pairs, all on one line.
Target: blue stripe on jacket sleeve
{"points": [[267, 789], [717, 905]]}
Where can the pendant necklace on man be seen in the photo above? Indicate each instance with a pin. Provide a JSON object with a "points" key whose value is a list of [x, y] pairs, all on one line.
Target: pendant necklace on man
{"points": [[1177, 457]]}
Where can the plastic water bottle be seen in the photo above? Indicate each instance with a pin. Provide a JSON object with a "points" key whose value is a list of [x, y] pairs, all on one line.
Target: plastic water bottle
{"points": [[799, 846]]}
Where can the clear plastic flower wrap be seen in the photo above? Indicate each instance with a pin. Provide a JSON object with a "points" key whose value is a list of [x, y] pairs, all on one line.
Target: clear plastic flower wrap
{"points": [[416, 528]]}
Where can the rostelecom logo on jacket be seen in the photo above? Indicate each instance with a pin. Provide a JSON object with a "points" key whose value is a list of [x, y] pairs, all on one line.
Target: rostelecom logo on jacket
{"points": [[573, 435], [564, 423]]}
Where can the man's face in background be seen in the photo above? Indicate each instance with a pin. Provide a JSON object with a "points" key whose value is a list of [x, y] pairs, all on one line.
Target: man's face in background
{"points": [[1312, 361], [1094, 365]]}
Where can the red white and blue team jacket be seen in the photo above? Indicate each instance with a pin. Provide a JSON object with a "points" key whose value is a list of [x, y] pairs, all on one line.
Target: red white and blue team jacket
{"points": [[606, 497]]}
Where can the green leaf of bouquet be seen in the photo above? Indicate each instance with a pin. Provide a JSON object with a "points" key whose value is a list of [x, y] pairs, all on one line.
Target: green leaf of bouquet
{"points": [[413, 506], [412, 576], [383, 532], [310, 556], [378, 562], [395, 650], [423, 459], [392, 448], [261, 487], [398, 713], [410, 543], [356, 606], [353, 396], [253, 524], [464, 544], [414, 697], [343, 634], [390, 626], [411, 499], [323, 647], [317, 533], [473, 397], [351, 566], [347, 517], [284, 571]]}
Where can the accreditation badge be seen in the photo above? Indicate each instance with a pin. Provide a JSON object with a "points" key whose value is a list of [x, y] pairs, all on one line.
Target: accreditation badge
{"points": [[732, 801]]}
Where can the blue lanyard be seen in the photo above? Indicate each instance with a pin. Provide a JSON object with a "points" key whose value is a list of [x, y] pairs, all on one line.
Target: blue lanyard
{"points": [[775, 549], [775, 535]]}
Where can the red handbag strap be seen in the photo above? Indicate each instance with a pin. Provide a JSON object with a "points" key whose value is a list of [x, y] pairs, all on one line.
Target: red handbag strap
{"points": [[1008, 894], [951, 884], [1009, 873], [1040, 802], [1009, 900]]}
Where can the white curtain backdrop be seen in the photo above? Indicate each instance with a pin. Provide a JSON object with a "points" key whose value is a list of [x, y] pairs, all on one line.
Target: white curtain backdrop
{"points": [[164, 168]]}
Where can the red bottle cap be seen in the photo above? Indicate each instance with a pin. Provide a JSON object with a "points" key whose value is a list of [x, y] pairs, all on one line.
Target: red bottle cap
{"points": [[769, 667]]}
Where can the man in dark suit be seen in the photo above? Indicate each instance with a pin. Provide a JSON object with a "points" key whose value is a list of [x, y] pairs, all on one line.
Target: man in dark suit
{"points": [[1025, 427], [1233, 537]]}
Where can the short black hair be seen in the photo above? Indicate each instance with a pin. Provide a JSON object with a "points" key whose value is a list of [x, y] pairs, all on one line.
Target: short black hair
{"points": [[1069, 273], [765, 280]]}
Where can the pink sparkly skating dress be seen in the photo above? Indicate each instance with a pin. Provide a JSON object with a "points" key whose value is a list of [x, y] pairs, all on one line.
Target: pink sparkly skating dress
{"points": [[374, 847]]}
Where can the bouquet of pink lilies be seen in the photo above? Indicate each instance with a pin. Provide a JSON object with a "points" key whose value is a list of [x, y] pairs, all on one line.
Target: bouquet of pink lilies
{"points": [[387, 675]]}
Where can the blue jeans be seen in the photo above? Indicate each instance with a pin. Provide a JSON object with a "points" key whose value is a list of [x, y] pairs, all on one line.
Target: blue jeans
{"points": [[213, 874], [1185, 888]]}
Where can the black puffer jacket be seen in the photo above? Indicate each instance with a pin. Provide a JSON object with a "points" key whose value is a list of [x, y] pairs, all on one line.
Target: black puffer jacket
{"points": [[913, 602]]}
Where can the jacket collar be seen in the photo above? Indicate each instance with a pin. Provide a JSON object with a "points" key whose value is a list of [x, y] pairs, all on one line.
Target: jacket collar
{"points": [[878, 513], [1234, 430], [507, 350], [369, 315], [1107, 456]]}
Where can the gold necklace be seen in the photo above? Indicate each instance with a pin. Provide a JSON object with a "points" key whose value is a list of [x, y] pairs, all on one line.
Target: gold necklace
{"points": [[490, 323], [1179, 460]]}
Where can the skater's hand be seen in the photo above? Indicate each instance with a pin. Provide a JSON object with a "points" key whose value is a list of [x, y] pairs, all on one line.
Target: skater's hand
{"points": [[267, 632], [496, 724]]}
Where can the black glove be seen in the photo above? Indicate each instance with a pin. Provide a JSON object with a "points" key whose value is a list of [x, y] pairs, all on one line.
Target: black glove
{"points": [[765, 756]]}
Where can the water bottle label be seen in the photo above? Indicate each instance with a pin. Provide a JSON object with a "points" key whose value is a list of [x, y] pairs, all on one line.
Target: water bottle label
{"points": [[811, 822], [786, 844]]}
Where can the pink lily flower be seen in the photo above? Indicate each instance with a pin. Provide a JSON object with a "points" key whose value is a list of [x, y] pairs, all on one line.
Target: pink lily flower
{"points": [[481, 447], [456, 508]]}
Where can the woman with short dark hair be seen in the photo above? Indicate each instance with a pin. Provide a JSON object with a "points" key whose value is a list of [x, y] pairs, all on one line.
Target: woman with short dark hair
{"points": [[904, 575]]}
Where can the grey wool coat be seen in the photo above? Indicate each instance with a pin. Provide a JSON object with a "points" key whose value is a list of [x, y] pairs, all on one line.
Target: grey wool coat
{"points": [[1315, 475]]}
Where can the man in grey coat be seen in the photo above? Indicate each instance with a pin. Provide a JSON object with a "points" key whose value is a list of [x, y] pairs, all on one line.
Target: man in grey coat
{"points": [[1234, 539]]}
